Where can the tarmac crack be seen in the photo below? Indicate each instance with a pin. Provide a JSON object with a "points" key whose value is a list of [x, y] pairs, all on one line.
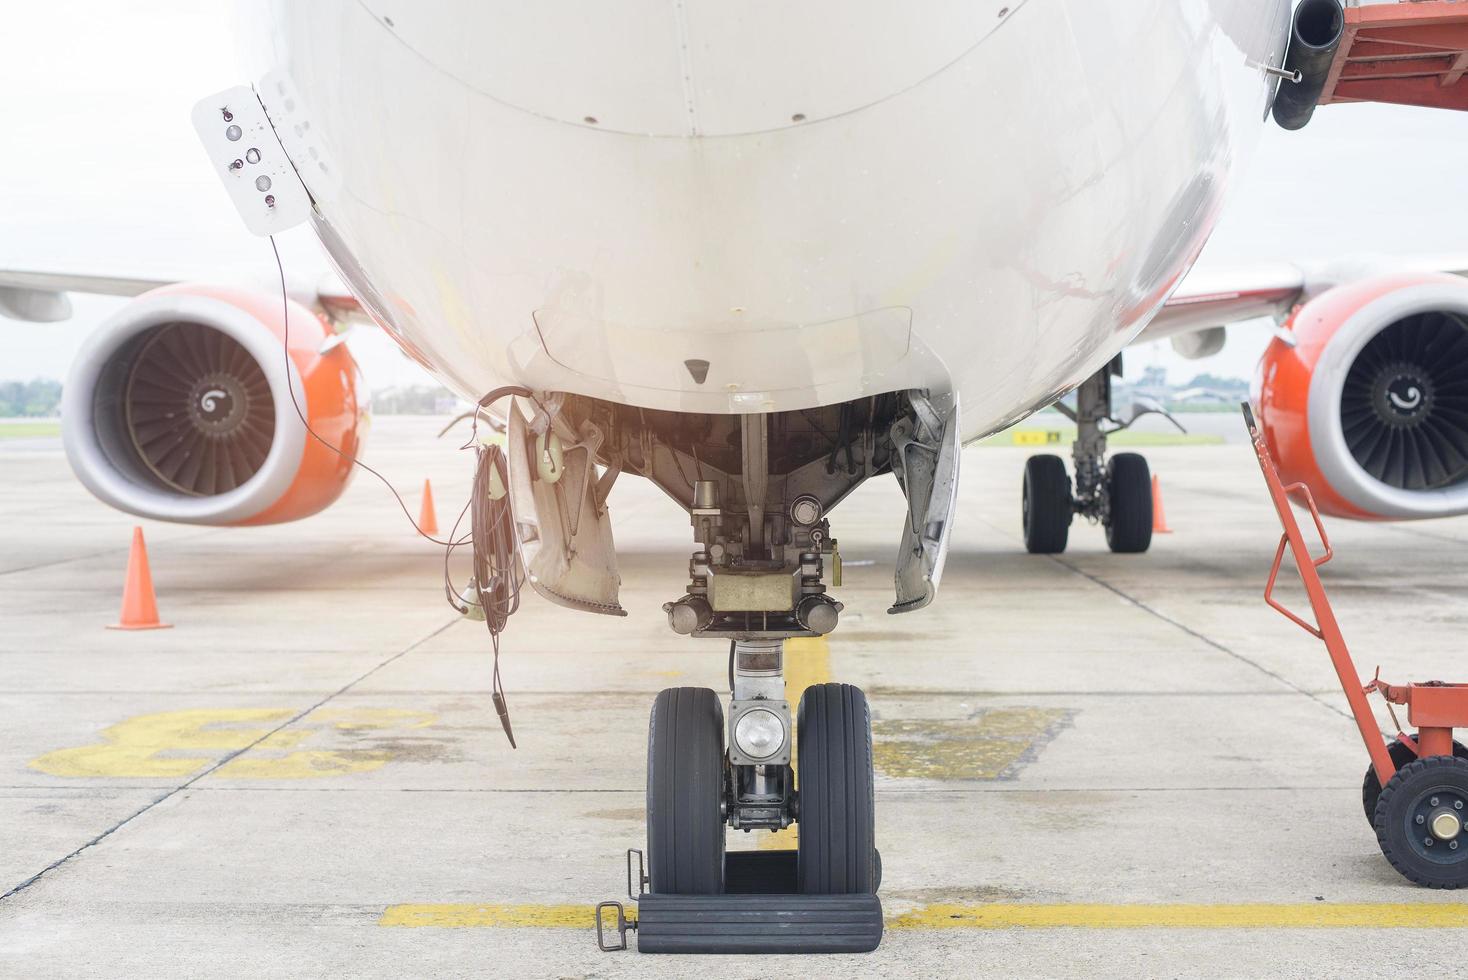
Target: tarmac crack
{"points": [[122, 549], [1393, 528], [1203, 637], [222, 762], [1195, 634]]}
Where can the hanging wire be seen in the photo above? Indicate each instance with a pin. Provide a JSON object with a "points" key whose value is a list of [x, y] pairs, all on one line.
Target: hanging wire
{"points": [[498, 564]]}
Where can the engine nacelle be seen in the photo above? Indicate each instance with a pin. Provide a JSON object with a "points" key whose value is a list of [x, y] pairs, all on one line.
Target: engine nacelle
{"points": [[179, 408], [1369, 405]]}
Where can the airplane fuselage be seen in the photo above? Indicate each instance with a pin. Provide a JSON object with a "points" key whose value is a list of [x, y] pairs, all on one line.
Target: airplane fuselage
{"points": [[821, 201]]}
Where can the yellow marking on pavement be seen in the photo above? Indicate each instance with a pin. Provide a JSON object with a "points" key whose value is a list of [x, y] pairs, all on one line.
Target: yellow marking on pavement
{"points": [[177, 744], [1307, 915], [780, 840], [494, 916], [807, 662], [991, 744]]}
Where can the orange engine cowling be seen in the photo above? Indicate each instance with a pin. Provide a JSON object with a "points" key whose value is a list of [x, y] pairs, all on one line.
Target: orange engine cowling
{"points": [[179, 408], [1364, 398]]}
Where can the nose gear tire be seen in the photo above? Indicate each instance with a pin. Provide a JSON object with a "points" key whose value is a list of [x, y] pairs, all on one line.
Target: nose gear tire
{"points": [[685, 787], [838, 852]]}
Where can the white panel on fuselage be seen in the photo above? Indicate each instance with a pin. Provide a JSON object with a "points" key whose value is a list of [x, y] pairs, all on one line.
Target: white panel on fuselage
{"points": [[758, 65], [692, 67]]}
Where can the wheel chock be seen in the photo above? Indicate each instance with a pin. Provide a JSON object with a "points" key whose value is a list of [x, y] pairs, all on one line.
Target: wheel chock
{"points": [[759, 912], [759, 923]]}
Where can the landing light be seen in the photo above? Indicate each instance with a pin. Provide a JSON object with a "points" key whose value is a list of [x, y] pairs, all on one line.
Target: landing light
{"points": [[759, 733]]}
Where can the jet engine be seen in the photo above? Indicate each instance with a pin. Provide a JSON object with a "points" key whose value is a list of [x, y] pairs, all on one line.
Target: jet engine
{"points": [[179, 408], [1364, 397]]}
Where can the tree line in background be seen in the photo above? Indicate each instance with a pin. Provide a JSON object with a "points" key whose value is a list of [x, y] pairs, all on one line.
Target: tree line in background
{"points": [[415, 400], [1204, 393], [40, 398]]}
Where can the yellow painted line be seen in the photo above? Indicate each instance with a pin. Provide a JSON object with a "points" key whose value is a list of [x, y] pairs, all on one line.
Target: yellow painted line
{"points": [[1308, 915], [491, 916], [807, 662]]}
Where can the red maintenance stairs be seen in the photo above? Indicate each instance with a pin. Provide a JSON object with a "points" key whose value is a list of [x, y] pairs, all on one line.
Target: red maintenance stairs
{"points": [[1414, 52], [1416, 788]]}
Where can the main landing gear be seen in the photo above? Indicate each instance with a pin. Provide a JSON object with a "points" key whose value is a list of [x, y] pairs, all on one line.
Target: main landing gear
{"points": [[1117, 492]]}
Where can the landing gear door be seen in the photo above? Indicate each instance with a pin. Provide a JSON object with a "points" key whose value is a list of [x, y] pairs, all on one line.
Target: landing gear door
{"points": [[926, 465], [565, 530]]}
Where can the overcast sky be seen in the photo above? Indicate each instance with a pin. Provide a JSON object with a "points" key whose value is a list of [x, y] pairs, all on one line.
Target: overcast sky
{"points": [[100, 172]]}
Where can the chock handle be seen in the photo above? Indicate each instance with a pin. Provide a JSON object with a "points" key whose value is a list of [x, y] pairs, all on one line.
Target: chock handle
{"points": [[622, 926]]}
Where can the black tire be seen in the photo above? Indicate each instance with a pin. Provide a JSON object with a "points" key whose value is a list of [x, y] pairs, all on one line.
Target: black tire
{"points": [[685, 788], [838, 847], [1045, 503], [1129, 504], [1419, 791], [1401, 755]]}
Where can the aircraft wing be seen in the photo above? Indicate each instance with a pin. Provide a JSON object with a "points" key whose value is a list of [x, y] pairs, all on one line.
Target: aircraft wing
{"points": [[1216, 297], [42, 297], [1211, 298]]}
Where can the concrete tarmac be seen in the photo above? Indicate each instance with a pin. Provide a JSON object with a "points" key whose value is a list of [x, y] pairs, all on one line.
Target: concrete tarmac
{"points": [[1088, 765]]}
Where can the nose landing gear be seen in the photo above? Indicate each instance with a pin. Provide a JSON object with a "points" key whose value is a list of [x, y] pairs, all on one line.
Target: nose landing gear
{"points": [[757, 579], [693, 790], [819, 898]]}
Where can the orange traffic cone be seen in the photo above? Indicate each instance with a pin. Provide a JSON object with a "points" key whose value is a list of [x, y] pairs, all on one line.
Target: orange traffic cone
{"points": [[1159, 517], [427, 520], [139, 606]]}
